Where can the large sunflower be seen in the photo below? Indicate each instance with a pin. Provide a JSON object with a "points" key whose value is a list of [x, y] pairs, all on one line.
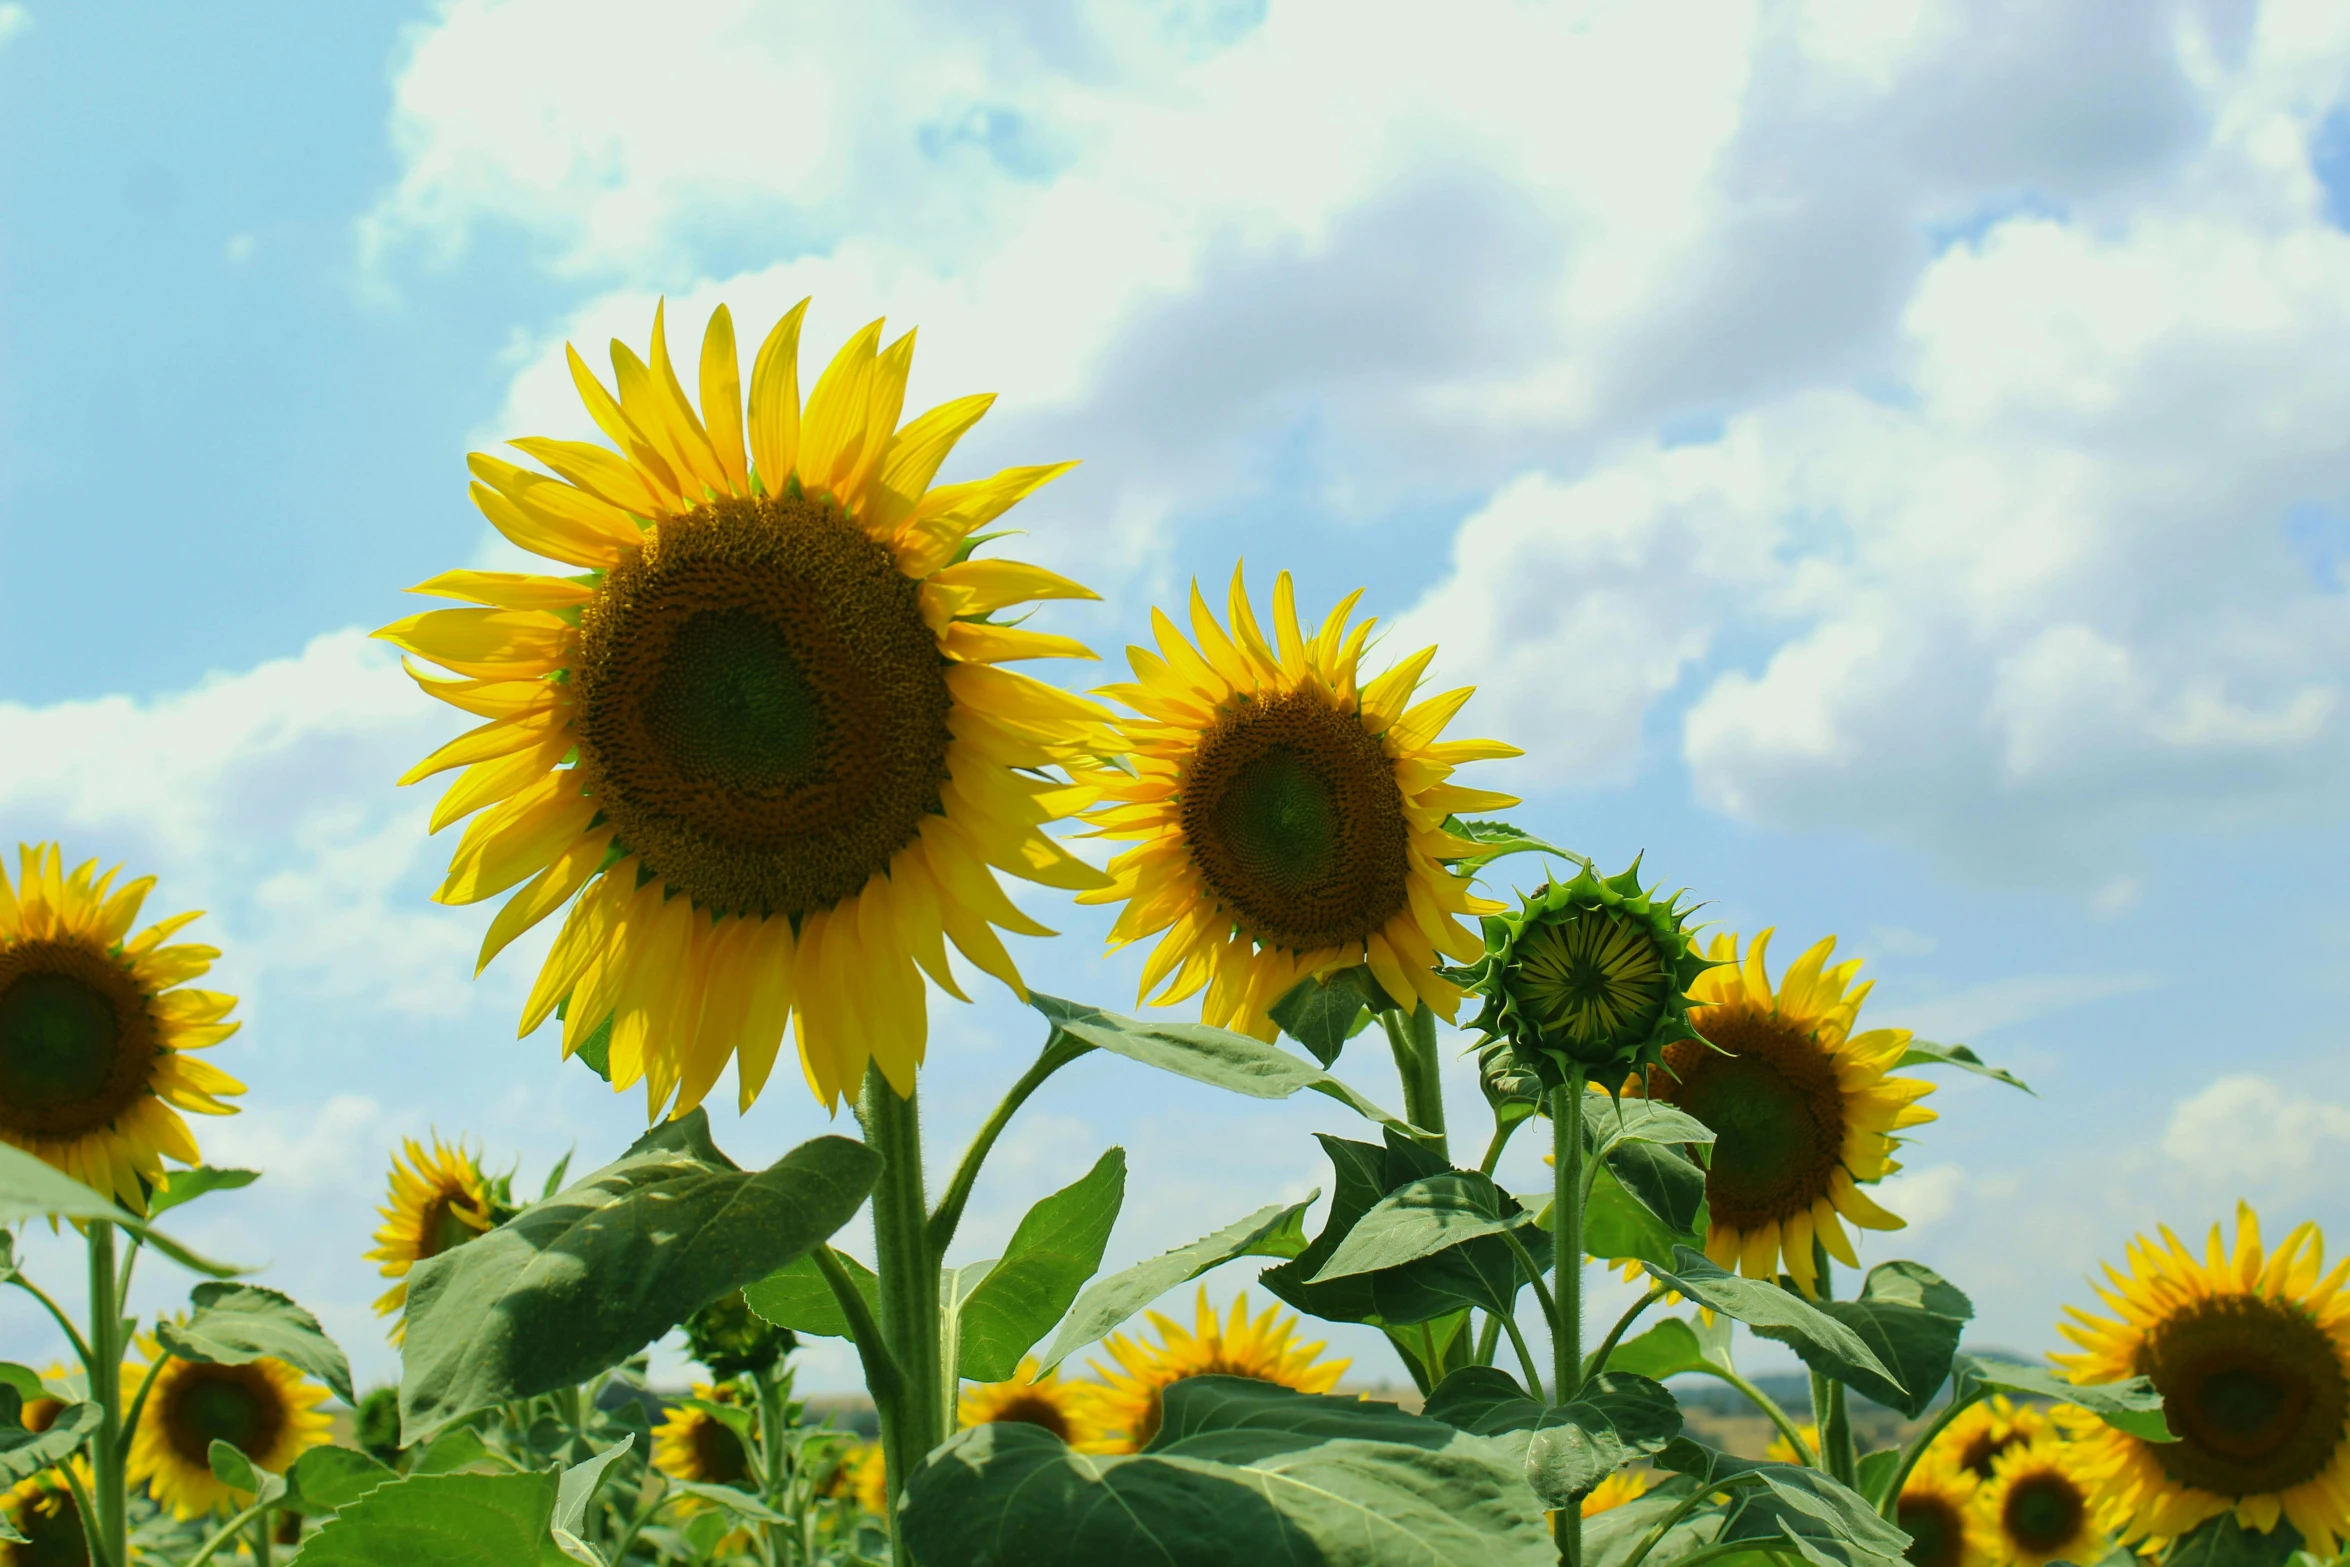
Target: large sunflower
{"points": [[265, 1409], [2251, 1352], [95, 1026], [2037, 1506], [1126, 1404], [1802, 1108], [1287, 819], [439, 1201], [694, 1444], [1063, 1408], [42, 1509], [1983, 1431], [1937, 1511], [762, 741]]}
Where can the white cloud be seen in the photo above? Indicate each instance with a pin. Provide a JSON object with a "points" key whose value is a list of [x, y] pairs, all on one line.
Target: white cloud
{"points": [[2248, 1130], [14, 19], [2001, 1003], [303, 1147], [1922, 1196]]}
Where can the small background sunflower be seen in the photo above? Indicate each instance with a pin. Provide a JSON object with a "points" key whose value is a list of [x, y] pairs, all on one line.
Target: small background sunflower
{"points": [[1126, 1403], [265, 1409]]}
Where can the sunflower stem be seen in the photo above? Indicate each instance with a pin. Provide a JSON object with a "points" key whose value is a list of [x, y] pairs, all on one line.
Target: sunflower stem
{"points": [[1566, 1237], [913, 1418], [1412, 1036], [105, 1365], [261, 1541], [1058, 1052], [774, 1470], [1891, 1503], [1828, 1411]]}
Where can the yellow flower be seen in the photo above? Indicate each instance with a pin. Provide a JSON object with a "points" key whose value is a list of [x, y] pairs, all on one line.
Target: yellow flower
{"points": [[40, 1413], [2038, 1507], [2251, 1352], [1287, 819], [42, 1508], [1126, 1408], [1974, 1441], [265, 1409], [95, 1029], [1802, 1107], [863, 1477], [1029, 1399], [763, 744], [1782, 1451], [693, 1444], [1618, 1488], [438, 1201], [1937, 1511]]}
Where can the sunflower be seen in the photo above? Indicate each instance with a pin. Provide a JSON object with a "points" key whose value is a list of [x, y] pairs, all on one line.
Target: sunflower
{"points": [[265, 1409], [42, 1508], [1287, 819], [1126, 1403], [1983, 1431], [762, 743], [39, 1413], [861, 1477], [439, 1201], [1781, 1451], [2037, 1507], [1063, 1408], [1801, 1107], [95, 1029], [2251, 1353], [694, 1444], [1624, 1485]]}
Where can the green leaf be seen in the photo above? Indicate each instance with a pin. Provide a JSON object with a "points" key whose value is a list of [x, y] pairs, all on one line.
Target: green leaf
{"points": [[328, 1479], [798, 1297], [1875, 1472], [741, 1503], [1924, 1052], [2223, 1542], [1671, 1348], [1274, 1231], [235, 1324], [577, 1283], [2133, 1406], [1421, 1218], [185, 1186], [24, 1379], [1484, 1401], [1912, 1318], [1612, 1420], [445, 1520], [23, 1453], [1215, 1056], [1617, 1224], [1323, 1014], [555, 1176], [1662, 1180], [457, 1447], [1829, 1524], [1771, 1311], [1295, 1489], [232, 1468], [574, 1492], [596, 1050], [31, 1189], [1057, 1247], [1499, 838], [1608, 1123]]}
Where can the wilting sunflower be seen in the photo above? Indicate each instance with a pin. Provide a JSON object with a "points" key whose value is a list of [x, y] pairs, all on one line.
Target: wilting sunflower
{"points": [[694, 1444], [1288, 820], [1937, 1511], [265, 1409], [42, 1508], [762, 742], [2251, 1353], [439, 1201], [1063, 1408], [1802, 1107], [95, 1028], [1983, 1431], [1624, 1485], [2037, 1506], [1126, 1404]]}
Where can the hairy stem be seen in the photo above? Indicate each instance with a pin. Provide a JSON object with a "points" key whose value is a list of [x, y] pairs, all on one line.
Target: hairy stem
{"points": [[1503, 1131], [105, 1364], [1412, 1036], [913, 1420], [1828, 1411], [1566, 1238]]}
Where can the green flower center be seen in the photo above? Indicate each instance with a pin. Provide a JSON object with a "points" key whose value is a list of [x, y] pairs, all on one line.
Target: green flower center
{"points": [[1278, 814], [1776, 1109], [719, 1453], [731, 707], [238, 1405], [2044, 1512], [2254, 1388], [77, 1042], [1937, 1535], [1590, 981]]}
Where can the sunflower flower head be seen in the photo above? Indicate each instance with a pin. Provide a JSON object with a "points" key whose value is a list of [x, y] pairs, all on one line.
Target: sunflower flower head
{"points": [[756, 732], [2250, 1349], [1127, 1403], [1937, 1511], [1984, 1430], [1595, 972], [1286, 816], [2039, 1505], [96, 1026], [1027, 1398], [694, 1443], [264, 1408], [439, 1200], [42, 1509], [1803, 1108], [732, 1340]]}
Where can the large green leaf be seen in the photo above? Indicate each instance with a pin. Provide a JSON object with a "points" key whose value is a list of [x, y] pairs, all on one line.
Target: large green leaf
{"points": [[2133, 1406], [1912, 1318], [234, 1324], [328, 1479], [1611, 1420], [1275, 1231], [24, 1379], [1294, 1489], [2223, 1542], [451, 1520], [1674, 1347], [1661, 1179], [26, 1453], [1830, 1524], [1773, 1312], [1609, 1123], [1215, 1056], [1323, 1014], [1421, 1218], [1057, 1247], [234, 1469], [1617, 1224], [582, 1280], [1484, 1401], [1924, 1052], [798, 1297], [31, 1189], [574, 1493], [185, 1186]]}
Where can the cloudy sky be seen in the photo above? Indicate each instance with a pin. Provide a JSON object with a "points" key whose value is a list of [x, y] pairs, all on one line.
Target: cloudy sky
{"points": [[1883, 459]]}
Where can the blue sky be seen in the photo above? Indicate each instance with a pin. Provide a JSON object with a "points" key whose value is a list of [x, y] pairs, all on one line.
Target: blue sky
{"points": [[1884, 461]]}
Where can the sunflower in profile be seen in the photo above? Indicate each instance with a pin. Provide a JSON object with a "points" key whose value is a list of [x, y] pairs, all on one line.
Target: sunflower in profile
{"points": [[96, 1025], [861, 1477], [265, 1409], [1803, 1108], [1937, 1511], [1063, 1408], [1126, 1404], [2038, 1507], [2250, 1350], [42, 1509], [1624, 1485], [1287, 819], [1983, 1431], [439, 1201], [760, 738], [694, 1444]]}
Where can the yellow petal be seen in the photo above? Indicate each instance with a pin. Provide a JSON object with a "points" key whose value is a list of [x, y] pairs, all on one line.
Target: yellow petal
{"points": [[722, 400], [775, 403]]}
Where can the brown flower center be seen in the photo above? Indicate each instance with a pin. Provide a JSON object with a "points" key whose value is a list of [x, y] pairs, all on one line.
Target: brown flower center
{"points": [[718, 1453], [1936, 1530], [1033, 1409], [1774, 1104], [2253, 1387], [2043, 1512], [77, 1038], [238, 1405]]}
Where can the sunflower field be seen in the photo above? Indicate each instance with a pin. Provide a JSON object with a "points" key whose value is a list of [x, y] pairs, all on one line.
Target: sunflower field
{"points": [[754, 749]]}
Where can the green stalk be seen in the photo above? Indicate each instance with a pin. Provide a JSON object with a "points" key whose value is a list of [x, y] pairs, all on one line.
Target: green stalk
{"points": [[1566, 1235], [106, 1451], [1889, 1507], [1828, 1410], [261, 1542], [772, 1467], [1058, 1052], [1615, 1335], [1412, 1036], [913, 1416]]}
